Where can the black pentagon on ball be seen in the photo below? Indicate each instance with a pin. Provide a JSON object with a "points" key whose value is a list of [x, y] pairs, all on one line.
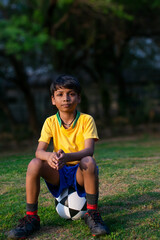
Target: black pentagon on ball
{"points": [[73, 212], [56, 202], [84, 207], [64, 201], [69, 205], [71, 190]]}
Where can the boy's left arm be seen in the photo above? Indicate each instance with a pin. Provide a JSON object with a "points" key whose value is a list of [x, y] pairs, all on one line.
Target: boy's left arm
{"points": [[69, 157]]}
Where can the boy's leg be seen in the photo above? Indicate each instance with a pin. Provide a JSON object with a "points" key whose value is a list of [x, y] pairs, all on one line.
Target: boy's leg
{"points": [[87, 176], [31, 221], [36, 169]]}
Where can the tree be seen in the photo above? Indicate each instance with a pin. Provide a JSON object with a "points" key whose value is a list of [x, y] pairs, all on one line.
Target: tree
{"points": [[21, 40], [77, 36]]}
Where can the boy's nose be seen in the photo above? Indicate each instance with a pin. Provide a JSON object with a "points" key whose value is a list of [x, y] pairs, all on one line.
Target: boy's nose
{"points": [[66, 98]]}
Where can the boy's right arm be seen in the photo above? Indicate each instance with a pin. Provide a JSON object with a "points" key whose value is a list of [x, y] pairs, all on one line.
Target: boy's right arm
{"points": [[50, 157]]}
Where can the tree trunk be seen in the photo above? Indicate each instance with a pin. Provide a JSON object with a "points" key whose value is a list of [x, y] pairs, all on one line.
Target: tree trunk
{"points": [[22, 83], [119, 49], [122, 95], [8, 114]]}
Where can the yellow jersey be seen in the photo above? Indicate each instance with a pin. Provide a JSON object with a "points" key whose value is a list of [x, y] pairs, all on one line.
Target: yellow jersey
{"points": [[71, 139]]}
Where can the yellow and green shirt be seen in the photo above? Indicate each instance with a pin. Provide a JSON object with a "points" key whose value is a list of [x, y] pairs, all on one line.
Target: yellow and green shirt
{"points": [[71, 139]]}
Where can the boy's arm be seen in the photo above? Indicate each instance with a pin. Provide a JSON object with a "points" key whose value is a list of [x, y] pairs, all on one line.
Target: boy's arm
{"points": [[69, 157], [59, 159], [87, 151], [50, 157]]}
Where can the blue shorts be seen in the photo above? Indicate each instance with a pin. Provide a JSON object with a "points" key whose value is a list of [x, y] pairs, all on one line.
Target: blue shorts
{"points": [[67, 176]]}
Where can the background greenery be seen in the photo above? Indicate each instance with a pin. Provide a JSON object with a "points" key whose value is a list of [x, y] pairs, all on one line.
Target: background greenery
{"points": [[112, 46], [129, 192]]}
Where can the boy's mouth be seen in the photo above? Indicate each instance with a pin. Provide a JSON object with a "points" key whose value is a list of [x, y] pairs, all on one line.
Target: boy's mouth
{"points": [[66, 105]]}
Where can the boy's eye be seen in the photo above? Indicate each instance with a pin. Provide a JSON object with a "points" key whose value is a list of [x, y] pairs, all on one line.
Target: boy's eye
{"points": [[72, 94]]}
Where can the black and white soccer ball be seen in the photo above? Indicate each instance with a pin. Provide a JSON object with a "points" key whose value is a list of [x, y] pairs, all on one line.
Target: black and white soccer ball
{"points": [[69, 205]]}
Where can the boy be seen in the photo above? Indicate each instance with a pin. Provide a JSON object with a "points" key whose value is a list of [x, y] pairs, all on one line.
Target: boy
{"points": [[71, 163]]}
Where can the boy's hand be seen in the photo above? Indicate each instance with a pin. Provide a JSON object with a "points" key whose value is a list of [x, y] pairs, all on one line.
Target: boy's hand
{"points": [[53, 160], [62, 159]]}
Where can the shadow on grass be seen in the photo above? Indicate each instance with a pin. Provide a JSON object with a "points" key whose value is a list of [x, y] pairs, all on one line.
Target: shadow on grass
{"points": [[123, 212]]}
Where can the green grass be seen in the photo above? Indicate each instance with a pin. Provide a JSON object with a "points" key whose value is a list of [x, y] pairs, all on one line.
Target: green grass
{"points": [[129, 193]]}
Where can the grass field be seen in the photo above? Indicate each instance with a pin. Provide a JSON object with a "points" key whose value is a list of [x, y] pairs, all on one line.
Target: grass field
{"points": [[129, 193]]}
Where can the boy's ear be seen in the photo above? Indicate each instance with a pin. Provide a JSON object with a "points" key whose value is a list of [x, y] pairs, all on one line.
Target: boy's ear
{"points": [[53, 100]]}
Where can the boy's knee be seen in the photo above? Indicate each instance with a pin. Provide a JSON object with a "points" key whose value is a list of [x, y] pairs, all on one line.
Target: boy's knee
{"points": [[35, 165], [88, 163]]}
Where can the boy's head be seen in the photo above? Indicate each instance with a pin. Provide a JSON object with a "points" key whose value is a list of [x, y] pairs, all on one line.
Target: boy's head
{"points": [[65, 81]]}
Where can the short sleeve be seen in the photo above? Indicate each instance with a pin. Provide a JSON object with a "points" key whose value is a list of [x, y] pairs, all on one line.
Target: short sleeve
{"points": [[90, 130], [46, 132]]}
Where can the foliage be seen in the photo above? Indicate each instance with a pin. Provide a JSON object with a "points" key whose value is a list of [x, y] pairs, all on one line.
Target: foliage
{"points": [[18, 38], [85, 37]]}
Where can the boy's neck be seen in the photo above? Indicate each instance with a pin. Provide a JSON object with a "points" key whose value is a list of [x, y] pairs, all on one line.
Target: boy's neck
{"points": [[67, 117]]}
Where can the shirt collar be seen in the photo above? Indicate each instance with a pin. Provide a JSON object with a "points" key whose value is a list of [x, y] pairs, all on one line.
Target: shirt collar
{"points": [[74, 123]]}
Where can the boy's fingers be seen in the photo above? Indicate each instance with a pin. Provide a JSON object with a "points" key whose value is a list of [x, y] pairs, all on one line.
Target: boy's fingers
{"points": [[61, 155], [56, 156], [61, 164], [53, 163], [60, 151]]}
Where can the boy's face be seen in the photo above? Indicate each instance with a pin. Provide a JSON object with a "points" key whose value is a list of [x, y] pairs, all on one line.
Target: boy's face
{"points": [[66, 100]]}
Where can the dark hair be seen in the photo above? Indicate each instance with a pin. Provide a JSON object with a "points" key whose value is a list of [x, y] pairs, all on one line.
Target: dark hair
{"points": [[65, 81]]}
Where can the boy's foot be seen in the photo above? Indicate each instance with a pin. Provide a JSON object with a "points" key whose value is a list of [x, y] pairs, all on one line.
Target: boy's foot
{"points": [[95, 223], [28, 225]]}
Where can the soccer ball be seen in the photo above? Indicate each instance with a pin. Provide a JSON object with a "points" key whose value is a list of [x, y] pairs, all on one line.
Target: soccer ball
{"points": [[69, 205]]}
